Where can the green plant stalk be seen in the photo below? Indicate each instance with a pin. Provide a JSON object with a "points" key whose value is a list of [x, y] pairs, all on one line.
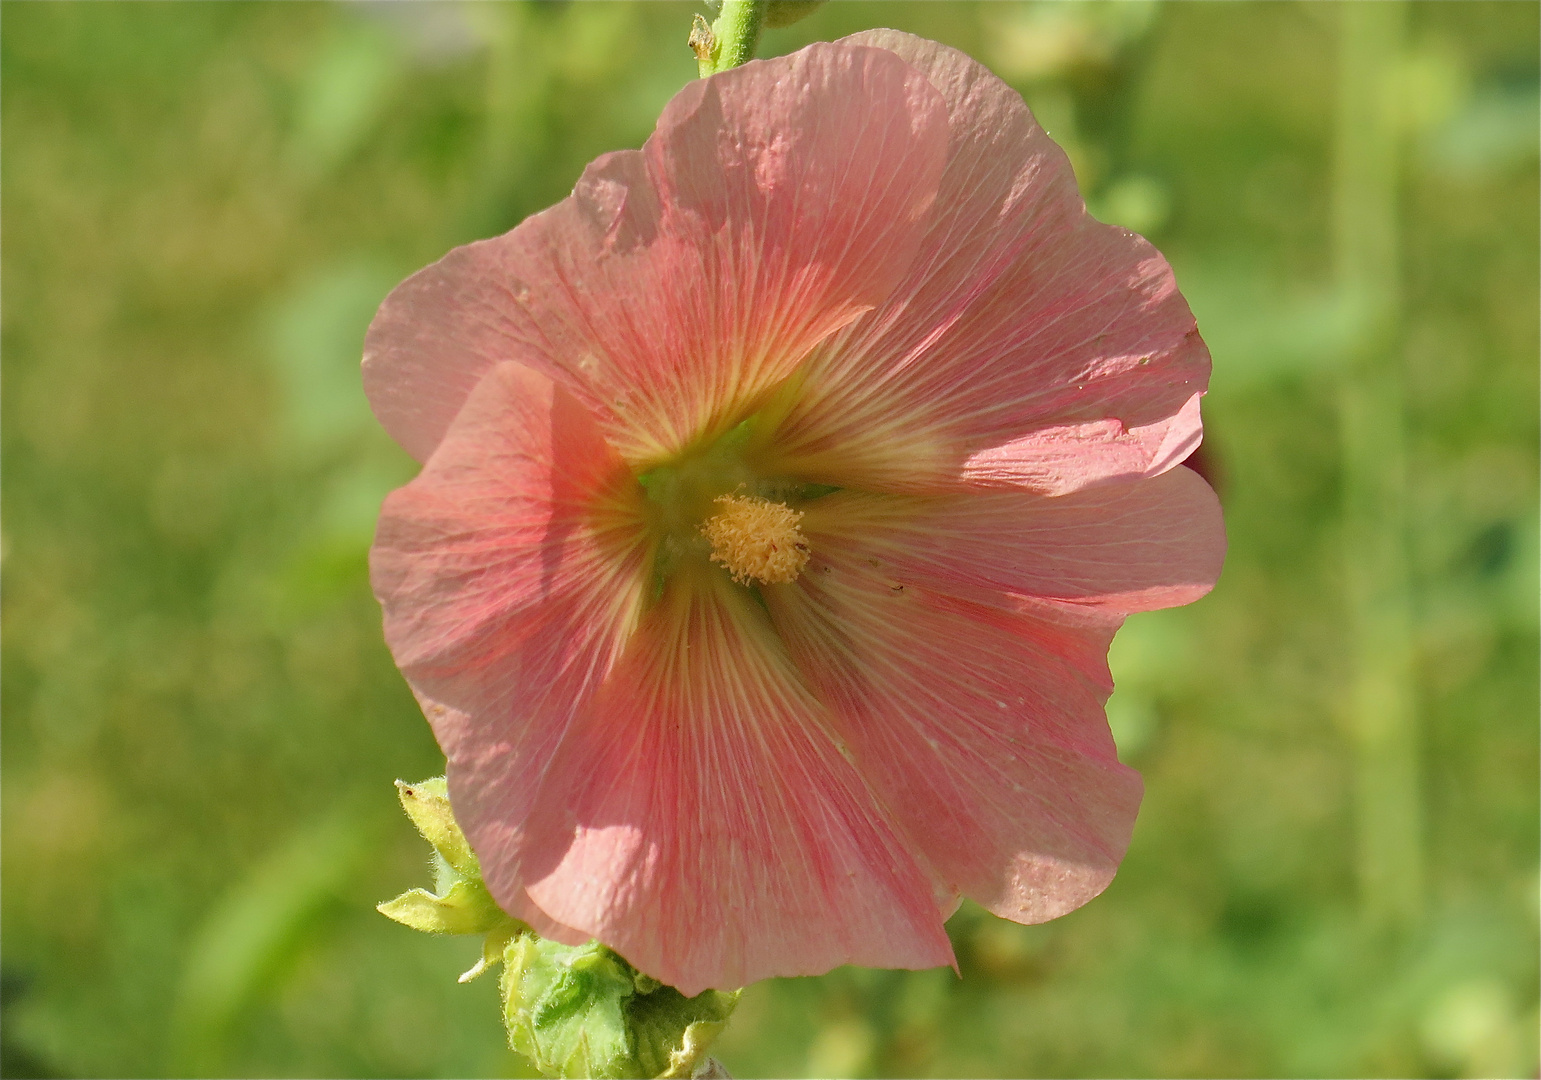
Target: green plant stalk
{"points": [[1381, 709], [735, 35]]}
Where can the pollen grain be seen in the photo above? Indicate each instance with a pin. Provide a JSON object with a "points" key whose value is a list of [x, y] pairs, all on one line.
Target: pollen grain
{"points": [[757, 540]]}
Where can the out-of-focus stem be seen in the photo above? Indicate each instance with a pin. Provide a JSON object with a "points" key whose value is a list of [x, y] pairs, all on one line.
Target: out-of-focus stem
{"points": [[1381, 706], [733, 37]]}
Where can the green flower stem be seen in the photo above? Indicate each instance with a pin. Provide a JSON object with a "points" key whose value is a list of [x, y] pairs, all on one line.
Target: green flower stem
{"points": [[733, 37]]}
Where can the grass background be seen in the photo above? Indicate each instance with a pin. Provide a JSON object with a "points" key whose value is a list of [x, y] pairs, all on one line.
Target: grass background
{"points": [[203, 205]]}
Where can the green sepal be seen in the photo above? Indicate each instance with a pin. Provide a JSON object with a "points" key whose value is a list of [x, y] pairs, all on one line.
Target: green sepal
{"points": [[427, 804], [584, 1011], [564, 1007], [460, 902], [465, 908], [493, 946], [673, 1032]]}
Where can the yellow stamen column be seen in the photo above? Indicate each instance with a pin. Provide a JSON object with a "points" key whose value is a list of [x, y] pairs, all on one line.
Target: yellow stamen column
{"points": [[757, 540]]}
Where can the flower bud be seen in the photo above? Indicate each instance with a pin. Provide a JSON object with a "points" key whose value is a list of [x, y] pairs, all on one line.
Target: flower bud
{"points": [[584, 1011], [572, 1010]]}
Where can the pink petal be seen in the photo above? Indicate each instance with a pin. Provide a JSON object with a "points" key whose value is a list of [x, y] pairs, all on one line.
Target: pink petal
{"points": [[981, 728], [511, 571], [1123, 546], [1028, 343], [701, 819], [773, 204]]}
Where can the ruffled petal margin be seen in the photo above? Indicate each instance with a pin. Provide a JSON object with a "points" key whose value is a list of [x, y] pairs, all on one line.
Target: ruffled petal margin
{"points": [[961, 643], [981, 728], [1028, 344], [774, 204]]}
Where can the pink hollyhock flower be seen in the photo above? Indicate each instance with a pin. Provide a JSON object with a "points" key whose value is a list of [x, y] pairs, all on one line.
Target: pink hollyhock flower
{"points": [[783, 488]]}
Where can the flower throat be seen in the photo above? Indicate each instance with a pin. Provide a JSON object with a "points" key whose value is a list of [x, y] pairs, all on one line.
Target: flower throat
{"points": [[717, 505]]}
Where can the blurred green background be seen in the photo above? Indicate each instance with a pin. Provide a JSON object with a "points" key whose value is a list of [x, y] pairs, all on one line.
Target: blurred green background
{"points": [[1335, 871]]}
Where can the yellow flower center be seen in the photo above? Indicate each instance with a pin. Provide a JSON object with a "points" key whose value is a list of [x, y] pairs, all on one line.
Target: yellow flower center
{"points": [[757, 540]]}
